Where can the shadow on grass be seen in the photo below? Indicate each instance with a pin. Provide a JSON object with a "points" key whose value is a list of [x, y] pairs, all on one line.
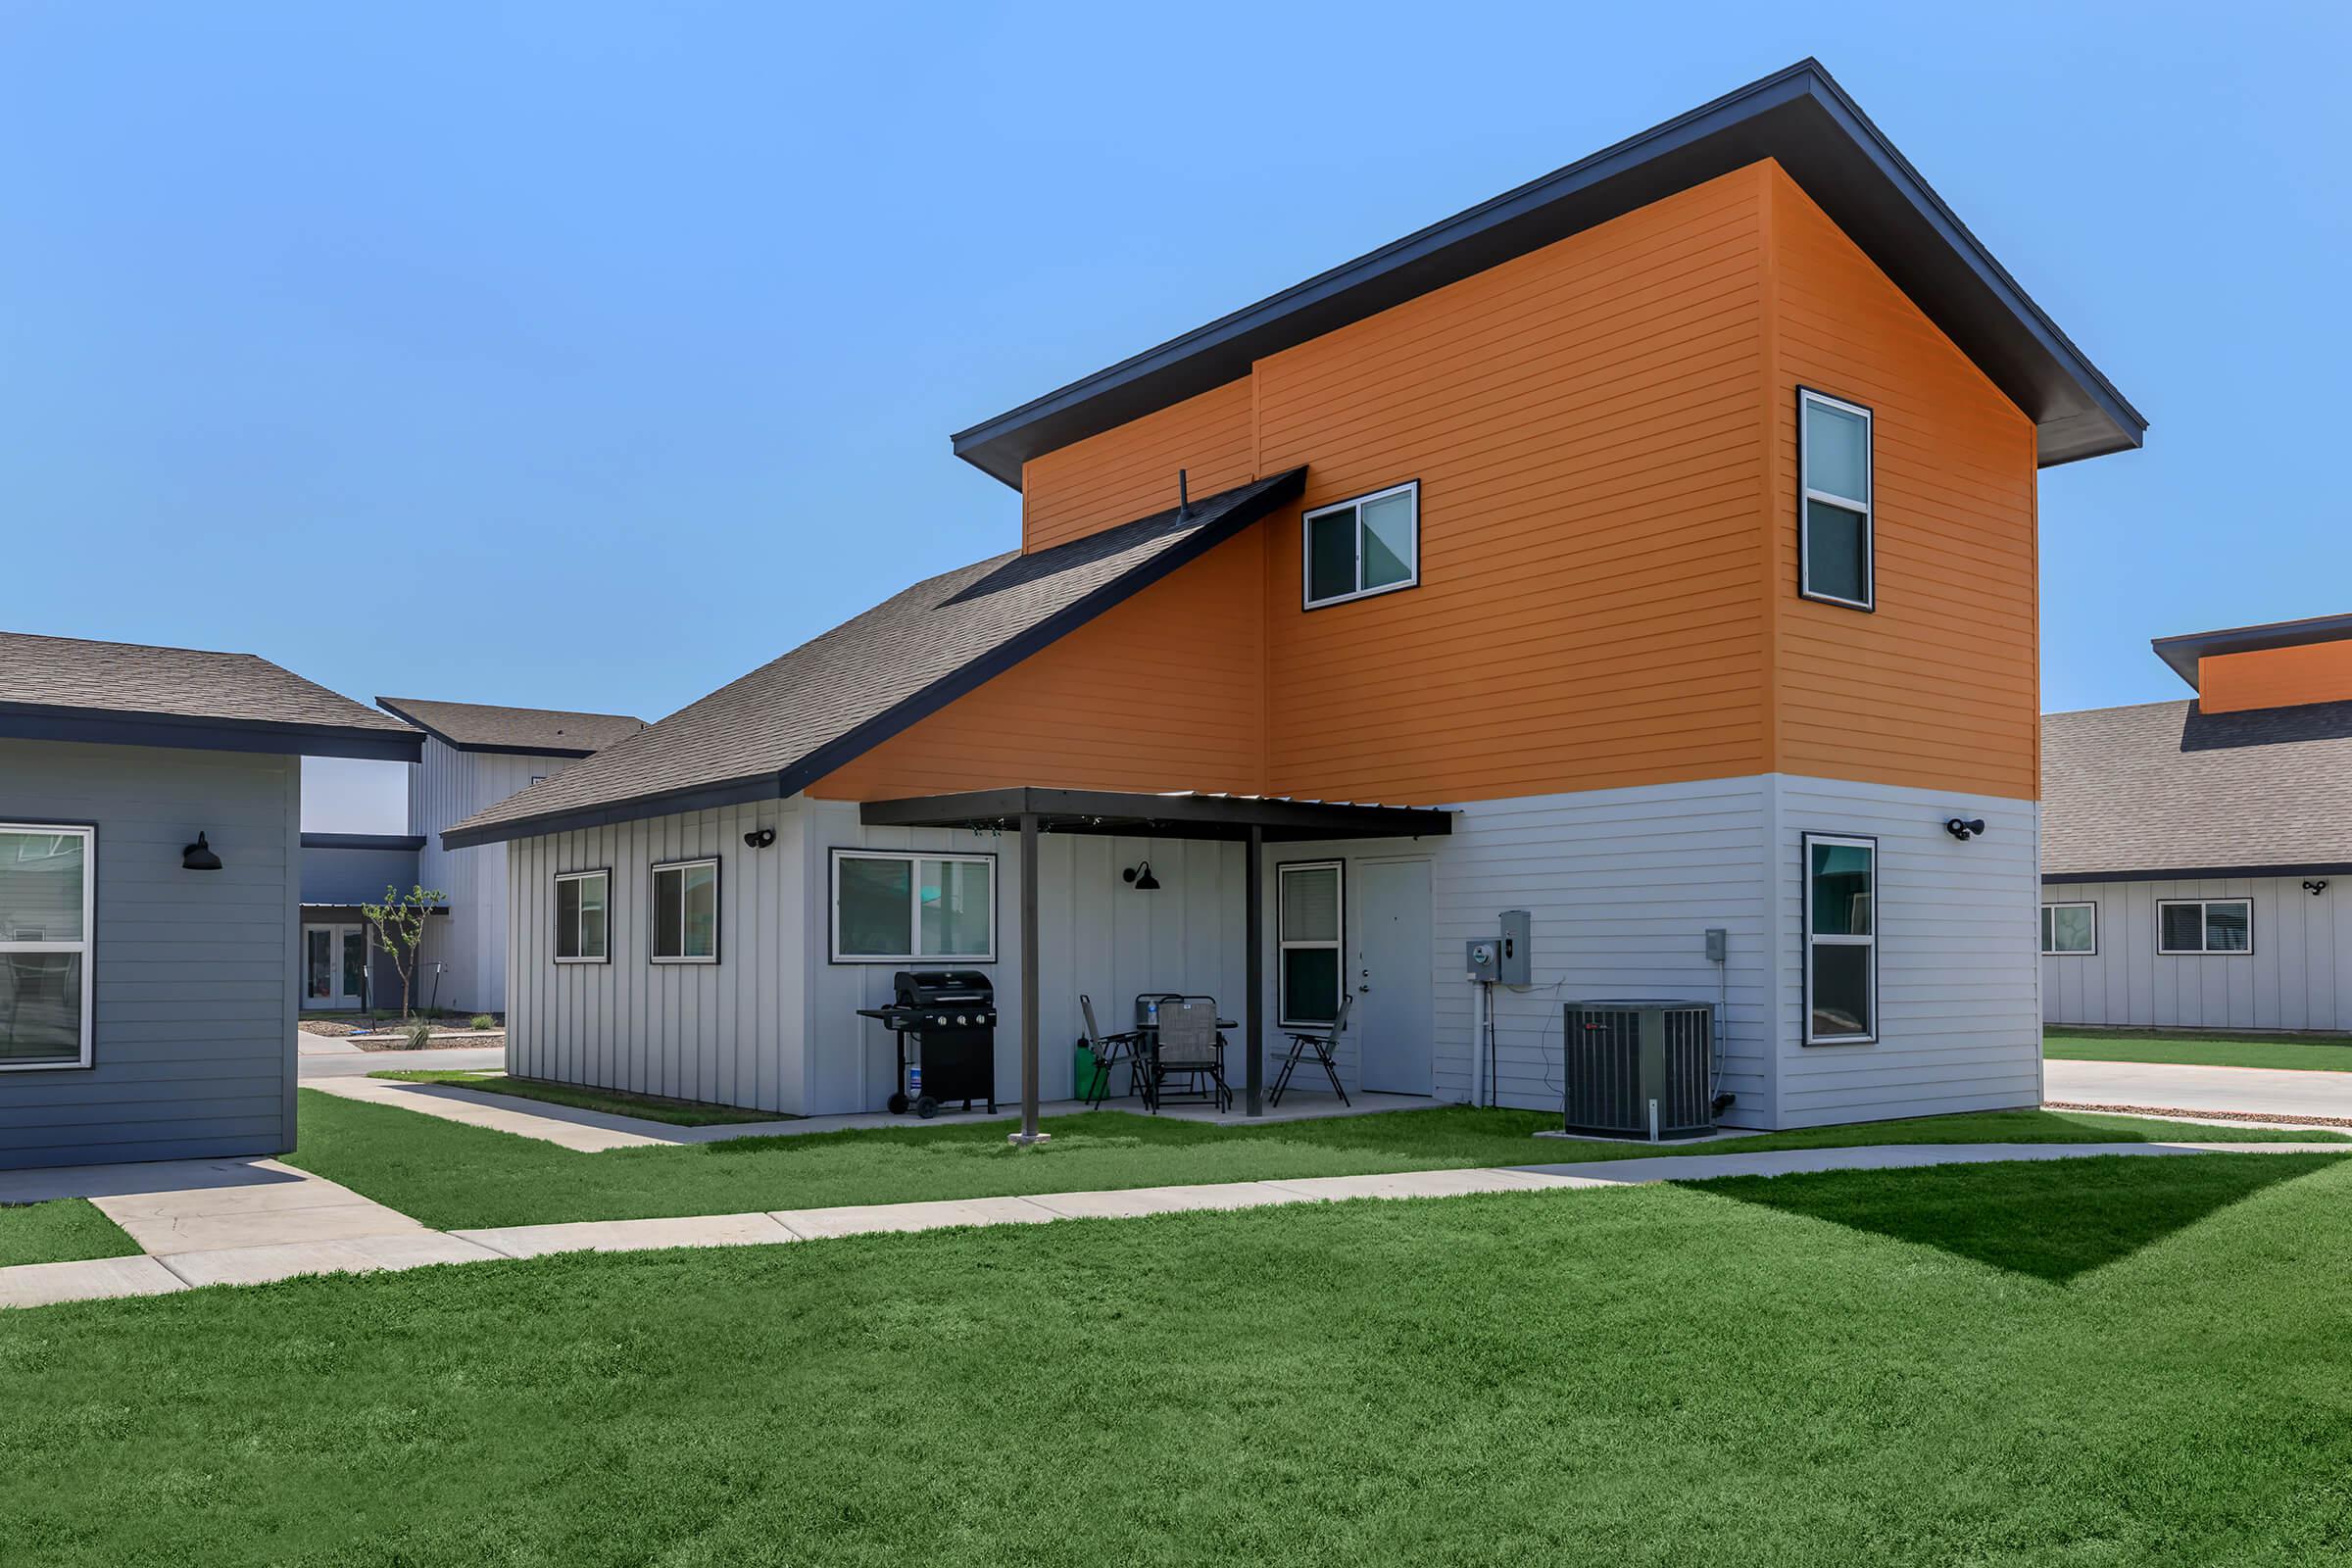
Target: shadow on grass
{"points": [[2054, 1220]]}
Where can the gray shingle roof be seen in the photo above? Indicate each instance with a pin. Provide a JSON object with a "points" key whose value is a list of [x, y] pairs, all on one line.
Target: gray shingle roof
{"points": [[539, 731], [799, 717], [68, 688], [2162, 787]]}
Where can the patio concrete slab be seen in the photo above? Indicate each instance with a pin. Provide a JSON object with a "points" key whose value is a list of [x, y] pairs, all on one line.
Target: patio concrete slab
{"points": [[87, 1280], [147, 1177], [630, 1235], [362, 1254], [292, 1206], [875, 1218], [1132, 1202]]}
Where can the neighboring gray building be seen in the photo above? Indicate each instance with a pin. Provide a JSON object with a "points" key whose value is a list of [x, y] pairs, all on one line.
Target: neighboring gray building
{"points": [[2196, 863], [150, 831], [476, 755], [343, 963]]}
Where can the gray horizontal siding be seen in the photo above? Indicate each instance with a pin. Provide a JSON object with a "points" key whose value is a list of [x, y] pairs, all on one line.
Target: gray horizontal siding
{"points": [[194, 972], [2299, 975]]}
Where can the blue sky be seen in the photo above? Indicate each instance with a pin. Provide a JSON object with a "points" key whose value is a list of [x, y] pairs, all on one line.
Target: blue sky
{"points": [[590, 355]]}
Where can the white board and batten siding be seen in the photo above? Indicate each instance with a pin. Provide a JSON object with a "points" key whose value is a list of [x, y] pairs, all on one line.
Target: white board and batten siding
{"points": [[2298, 975], [1959, 1006], [444, 787], [194, 973]]}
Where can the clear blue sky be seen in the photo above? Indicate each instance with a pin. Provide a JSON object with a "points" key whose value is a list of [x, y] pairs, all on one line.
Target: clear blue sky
{"points": [[590, 355]]}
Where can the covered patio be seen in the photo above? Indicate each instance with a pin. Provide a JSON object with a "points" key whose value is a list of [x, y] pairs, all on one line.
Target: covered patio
{"points": [[1253, 822]]}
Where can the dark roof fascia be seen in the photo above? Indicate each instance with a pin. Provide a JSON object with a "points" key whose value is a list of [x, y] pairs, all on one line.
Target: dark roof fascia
{"points": [[456, 745], [1877, 198], [2201, 874], [1116, 812], [362, 841], [1279, 492], [2182, 652], [99, 726]]}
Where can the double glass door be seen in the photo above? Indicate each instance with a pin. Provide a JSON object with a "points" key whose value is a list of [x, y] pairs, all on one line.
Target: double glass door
{"points": [[334, 966]]}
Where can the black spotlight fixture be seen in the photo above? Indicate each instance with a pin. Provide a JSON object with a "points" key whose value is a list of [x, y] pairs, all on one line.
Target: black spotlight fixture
{"points": [[1964, 828], [199, 856], [1141, 877], [759, 838], [2316, 887]]}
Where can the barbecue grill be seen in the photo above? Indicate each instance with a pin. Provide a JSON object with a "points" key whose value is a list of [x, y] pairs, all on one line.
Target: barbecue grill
{"points": [[951, 1018]]}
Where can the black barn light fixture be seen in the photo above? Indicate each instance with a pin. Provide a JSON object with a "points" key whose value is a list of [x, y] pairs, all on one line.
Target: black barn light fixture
{"points": [[199, 856], [1140, 875]]}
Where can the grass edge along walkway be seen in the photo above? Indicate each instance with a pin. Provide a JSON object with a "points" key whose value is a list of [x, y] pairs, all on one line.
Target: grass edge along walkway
{"points": [[455, 1177], [612, 1102], [2179, 1048], [60, 1230]]}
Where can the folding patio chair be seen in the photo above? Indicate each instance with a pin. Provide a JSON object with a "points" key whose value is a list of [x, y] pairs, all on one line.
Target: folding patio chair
{"points": [[1322, 1044], [1108, 1051], [1189, 1047]]}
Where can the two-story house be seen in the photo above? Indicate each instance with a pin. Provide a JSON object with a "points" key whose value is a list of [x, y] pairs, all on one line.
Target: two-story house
{"points": [[1653, 543]]}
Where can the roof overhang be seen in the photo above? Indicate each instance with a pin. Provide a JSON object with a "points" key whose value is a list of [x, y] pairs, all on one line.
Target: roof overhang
{"points": [[2199, 873], [2183, 652], [1798, 116], [362, 841], [392, 706], [1181, 815], [100, 726]]}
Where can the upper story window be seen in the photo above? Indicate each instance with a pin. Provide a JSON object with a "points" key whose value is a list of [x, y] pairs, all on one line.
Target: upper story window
{"points": [[583, 927], [46, 904], [1371, 545], [2204, 926], [686, 912], [1835, 550]]}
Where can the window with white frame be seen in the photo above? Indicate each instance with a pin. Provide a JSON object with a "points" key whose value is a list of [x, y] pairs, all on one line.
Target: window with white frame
{"points": [[898, 907], [1310, 919], [1371, 545], [1842, 954], [47, 906], [1835, 547], [584, 918], [686, 912], [2067, 928], [2204, 926]]}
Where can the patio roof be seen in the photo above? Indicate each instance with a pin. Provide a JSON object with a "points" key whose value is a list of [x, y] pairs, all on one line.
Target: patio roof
{"points": [[1181, 814]]}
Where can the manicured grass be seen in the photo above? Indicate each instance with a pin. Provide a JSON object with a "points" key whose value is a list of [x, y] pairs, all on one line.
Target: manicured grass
{"points": [[2127, 1361], [2216, 1051], [63, 1230], [681, 1112], [452, 1176]]}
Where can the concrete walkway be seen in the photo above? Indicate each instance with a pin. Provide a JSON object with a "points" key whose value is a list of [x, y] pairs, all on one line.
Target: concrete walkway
{"points": [[2235, 1090], [593, 1131], [249, 1221], [352, 1063]]}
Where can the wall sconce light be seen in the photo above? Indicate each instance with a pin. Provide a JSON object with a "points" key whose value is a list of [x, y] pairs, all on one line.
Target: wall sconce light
{"points": [[199, 856], [759, 838], [2317, 886], [1964, 828], [1142, 878]]}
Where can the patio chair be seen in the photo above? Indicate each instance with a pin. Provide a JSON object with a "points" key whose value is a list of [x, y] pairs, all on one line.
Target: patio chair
{"points": [[1108, 1051], [1321, 1043], [1190, 1047]]}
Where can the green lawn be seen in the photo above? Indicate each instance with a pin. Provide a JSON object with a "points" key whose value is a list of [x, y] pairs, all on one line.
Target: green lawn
{"points": [[2216, 1051], [681, 1112], [63, 1230], [452, 1176], [2099, 1362]]}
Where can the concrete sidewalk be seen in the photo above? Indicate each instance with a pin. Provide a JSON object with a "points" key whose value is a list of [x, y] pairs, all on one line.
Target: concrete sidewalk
{"points": [[250, 1221], [2236, 1090]]}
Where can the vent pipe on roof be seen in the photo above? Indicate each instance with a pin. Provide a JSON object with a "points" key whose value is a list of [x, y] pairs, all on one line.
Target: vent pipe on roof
{"points": [[1184, 496]]}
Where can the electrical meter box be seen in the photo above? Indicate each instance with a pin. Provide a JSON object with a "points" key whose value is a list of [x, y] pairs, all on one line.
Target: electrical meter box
{"points": [[1515, 963], [1480, 957]]}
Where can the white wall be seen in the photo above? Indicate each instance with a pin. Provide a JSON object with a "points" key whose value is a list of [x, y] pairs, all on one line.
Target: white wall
{"points": [[2298, 976], [446, 787]]}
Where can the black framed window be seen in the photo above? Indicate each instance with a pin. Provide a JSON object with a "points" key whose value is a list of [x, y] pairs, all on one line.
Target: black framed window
{"points": [[2186, 926]]}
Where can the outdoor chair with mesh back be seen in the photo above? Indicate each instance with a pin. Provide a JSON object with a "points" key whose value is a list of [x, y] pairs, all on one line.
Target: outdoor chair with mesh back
{"points": [[1108, 1051], [1188, 1047], [1320, 1044]]}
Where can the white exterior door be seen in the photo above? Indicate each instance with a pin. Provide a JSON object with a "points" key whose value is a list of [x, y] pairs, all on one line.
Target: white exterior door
{"points": [[335, 966], [1395, 1017]]}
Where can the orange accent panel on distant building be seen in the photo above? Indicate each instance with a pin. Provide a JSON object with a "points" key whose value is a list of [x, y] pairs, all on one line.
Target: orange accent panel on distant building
{"points": [[1130, 471], [2275, 677], [1939, 687], [1161, 692]]}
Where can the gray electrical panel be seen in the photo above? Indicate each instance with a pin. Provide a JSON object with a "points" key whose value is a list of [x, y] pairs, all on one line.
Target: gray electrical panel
{"points": [[1718, 942], [1514, 964]]}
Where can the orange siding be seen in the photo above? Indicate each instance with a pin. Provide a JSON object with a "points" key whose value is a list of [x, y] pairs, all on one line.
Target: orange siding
{"points": [[1940, 688], [1582, 421], [1160, 693], [1130, 471], [2275, 677]]}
